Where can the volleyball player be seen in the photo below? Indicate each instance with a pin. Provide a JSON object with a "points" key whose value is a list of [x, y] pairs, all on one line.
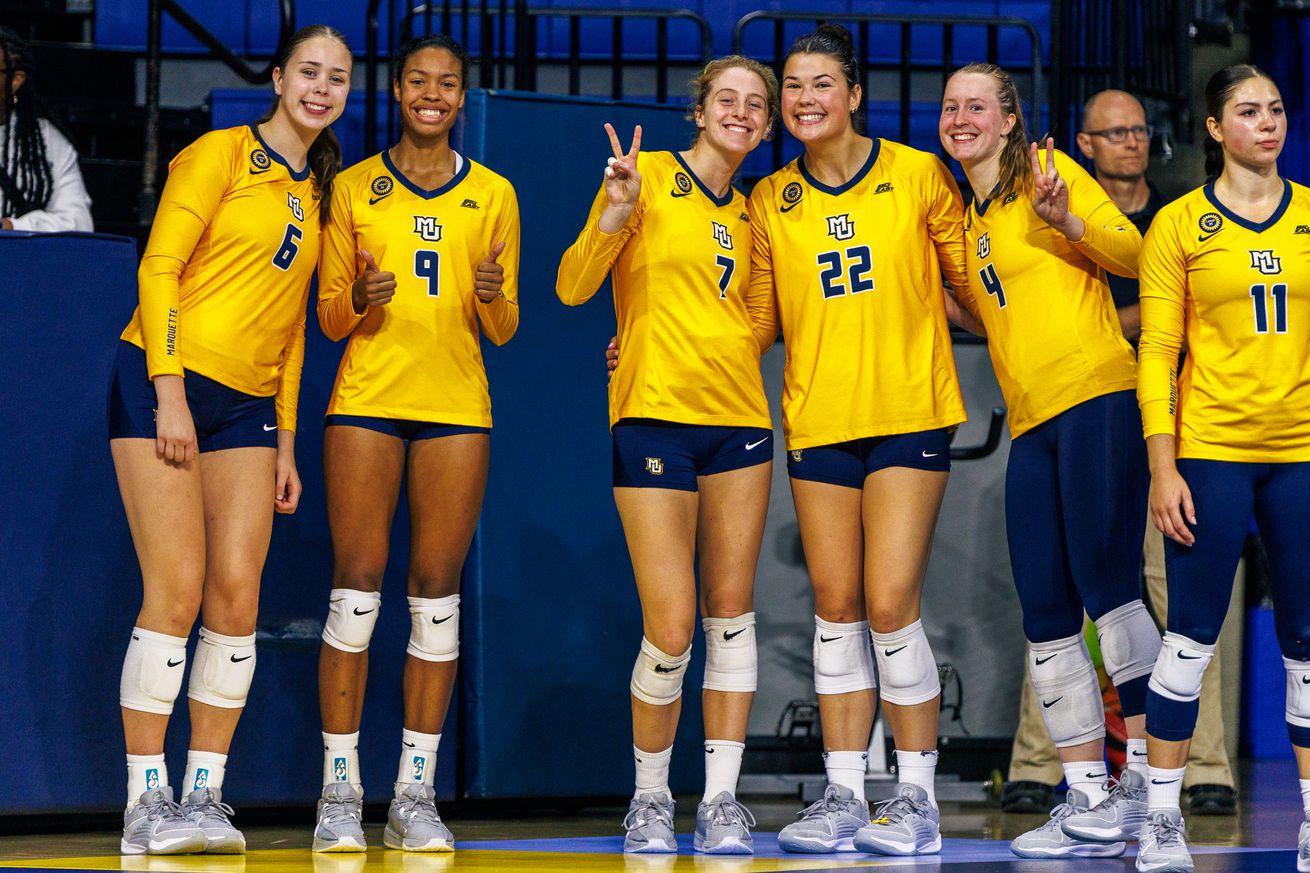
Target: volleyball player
{"points": [[202, 422], [693, 453], [1040, 239], [422, 251], [1225, 269], [854, 237]]}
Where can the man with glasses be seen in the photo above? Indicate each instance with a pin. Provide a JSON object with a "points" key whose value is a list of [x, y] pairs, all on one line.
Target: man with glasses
{"points": [[1117, 140]]}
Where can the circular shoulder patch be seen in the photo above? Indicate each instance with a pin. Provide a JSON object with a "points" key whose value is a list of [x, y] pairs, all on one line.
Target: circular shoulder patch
{"points": [[792, 192], [1211, 222], [382, 186], [683, 181], [260, 159]]}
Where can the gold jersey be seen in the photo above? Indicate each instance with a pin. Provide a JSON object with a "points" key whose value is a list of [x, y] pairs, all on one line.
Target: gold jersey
{"points": [[1052, 329], [225, 277], [857, 270], [418, 357], [1238, 293], [690, 326]]}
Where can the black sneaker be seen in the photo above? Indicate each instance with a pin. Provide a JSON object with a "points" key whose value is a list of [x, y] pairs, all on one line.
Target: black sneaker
{"points": [[1212, 800], [1028, 797]]}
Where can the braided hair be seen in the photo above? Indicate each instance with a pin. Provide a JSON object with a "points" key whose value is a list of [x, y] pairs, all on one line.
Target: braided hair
{"points": [[26, 182]]}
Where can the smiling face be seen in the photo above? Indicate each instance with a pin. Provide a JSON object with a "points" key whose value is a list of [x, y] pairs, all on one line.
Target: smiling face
{"points": [[1253, 126], [973, 126], [430, 91], [817, 104], [313, 86], [734, 116]]}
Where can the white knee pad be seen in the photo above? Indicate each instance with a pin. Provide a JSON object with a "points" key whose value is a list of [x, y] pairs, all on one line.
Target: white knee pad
{"points": [[351, 617], [657, 676], [730, 659], [152, 672], [1179, 668], [1298, 692], [843, 661], [1130, 642], [434, 628], [223, 669], [1067, 690], [907, 671]]}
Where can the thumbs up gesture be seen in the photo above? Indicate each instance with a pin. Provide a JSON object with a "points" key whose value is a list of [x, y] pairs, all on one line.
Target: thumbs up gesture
{"points": [[374, 288], [490, 275]]}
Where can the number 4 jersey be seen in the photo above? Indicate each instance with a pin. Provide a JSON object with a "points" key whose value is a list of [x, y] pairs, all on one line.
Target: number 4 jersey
{"points": [[418, 357], [1236, 291]]}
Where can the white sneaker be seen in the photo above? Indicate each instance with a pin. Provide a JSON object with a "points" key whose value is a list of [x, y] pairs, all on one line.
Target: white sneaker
{"points": [[155, 825], [207, 811], [1161, 847]]}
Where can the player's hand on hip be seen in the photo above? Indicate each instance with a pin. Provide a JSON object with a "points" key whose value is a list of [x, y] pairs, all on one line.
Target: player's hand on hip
{"points": [[1171, 506], [175, 431], [374, 288], [490, 276]]}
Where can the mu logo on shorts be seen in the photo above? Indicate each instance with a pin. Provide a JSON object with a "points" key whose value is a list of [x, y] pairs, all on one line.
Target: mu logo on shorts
{"points": [[841, 226], [293, 203], [984, 246], [796, 455], [655, 466], [427, 228], [1266, 262], [721, 235]]}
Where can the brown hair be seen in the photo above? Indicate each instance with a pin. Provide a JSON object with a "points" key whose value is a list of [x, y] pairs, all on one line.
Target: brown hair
{"points": [[701, 84], [837, 43], [1016, 162], [324, 157], [1218, 90]]}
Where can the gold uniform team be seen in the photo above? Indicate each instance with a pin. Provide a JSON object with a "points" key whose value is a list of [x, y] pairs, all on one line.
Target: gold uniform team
{"points": [[846, 251]]}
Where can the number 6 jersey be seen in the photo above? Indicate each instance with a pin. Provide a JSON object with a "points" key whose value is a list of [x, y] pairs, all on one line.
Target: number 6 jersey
{"points": [[1239, 293]]}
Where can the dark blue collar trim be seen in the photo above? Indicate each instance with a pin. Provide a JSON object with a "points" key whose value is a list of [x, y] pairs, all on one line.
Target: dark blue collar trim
{"points": [[1242, 222], [855, 180], [300, 176], [714, 198], [423, 192]]}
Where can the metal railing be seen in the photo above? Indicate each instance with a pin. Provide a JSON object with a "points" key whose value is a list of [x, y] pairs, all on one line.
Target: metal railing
{"points": [[150, 171]]}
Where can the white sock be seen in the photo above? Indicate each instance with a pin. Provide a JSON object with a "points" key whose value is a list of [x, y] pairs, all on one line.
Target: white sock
{"points": [[341, 759], [918, 768], [145, 773], [1089, 778], [1163, 788], [722, 767], [1305, 796], [652, 771], [203, 770], [418, 756], [847, 770], [1137, 756]]}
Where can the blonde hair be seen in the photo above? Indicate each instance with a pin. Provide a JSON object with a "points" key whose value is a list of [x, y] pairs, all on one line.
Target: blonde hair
{"points": [[701, 84], [1016, 161]]}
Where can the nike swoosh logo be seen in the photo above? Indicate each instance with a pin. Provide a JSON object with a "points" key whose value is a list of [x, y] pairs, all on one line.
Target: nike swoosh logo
{"points": [[789, 208], [436, 620], [824, 639], [373, 200], [236, 660], [1305, 680], [1046, 705], [679, 193], [1163, 782], [1187, 657], [928, 455], [709, 751], [1094, 775], [660, 668], [408, 745], [255, 172], [1041, 661], [175, 663], [890, 652], [357, 611], [750, 446], [1205, 237], [269, 427], [736, 633]]}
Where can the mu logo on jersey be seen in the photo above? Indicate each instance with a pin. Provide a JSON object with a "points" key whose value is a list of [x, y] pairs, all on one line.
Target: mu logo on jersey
{"points": [[984, 246], [427, 228], [1266, 262], [721, 235], [841, 226], [293, 203]]}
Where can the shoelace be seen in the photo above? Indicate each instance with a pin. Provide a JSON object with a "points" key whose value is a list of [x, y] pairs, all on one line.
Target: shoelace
{"points": [[1166, 831], [829, 802], [338, 809], [164, 807], [418, 807], [646, 813], [1059, 814], [731, 812], [210, 807], [895, 809], [1117, 788]]}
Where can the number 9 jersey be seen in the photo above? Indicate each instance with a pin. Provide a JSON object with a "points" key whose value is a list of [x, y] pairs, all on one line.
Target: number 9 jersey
{"points": [[1238, 292], [418, 358]]}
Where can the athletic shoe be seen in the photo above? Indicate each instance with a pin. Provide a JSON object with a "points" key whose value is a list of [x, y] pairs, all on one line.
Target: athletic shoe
{"points": [[340, 819], [827, 825], [412, 821], [723, 827], [207, 811], [1161, 848], [1303, 849], [1052, 841], [1119, 817], [905, 825], [1211, 800], [155, 825], [649, 824], [1026, 796]]}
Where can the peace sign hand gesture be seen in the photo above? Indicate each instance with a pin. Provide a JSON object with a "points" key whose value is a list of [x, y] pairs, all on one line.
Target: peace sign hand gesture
{"points": [[622, 182], [1051, 194]]}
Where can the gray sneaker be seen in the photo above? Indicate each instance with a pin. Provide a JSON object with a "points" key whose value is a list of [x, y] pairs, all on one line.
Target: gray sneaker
{"points": [[340, 820], [1160, 847], [207, 811], [1052, 841], [905, 825], [649, 824], [827, 825], [1119, 817], [155, 825], [1303, 849], [412, 821], [723, 827]]}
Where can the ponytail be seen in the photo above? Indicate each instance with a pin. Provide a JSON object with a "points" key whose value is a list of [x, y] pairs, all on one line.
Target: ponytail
{"points": [[1016, 161]]}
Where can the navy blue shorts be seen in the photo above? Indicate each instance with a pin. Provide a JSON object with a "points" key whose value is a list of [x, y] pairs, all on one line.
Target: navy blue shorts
{"points": [[663, 454], [224, 417], [402, 428], [849, 463]]}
